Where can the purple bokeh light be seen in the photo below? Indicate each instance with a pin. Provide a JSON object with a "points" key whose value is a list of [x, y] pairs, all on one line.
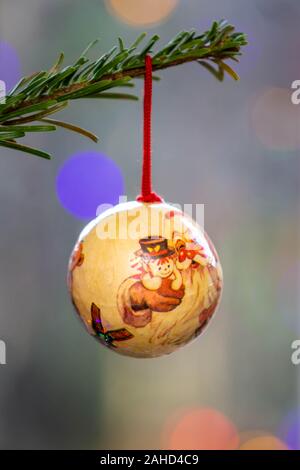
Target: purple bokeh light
{"points": [[10, 66], [290, 430], [86, 180]]}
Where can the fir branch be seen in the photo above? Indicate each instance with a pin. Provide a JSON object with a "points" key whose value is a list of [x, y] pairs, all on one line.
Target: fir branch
{"points": [[44, 93]]}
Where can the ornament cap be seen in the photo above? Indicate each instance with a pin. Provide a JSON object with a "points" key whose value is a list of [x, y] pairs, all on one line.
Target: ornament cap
{"points": [[149, 198]]}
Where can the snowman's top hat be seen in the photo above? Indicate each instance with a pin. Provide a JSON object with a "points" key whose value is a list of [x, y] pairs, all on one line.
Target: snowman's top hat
{"points": [[154, 247]]}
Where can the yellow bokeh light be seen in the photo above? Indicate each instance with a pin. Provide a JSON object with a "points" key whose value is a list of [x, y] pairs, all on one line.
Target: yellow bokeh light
{"points": [[267, 442], [142, 12], [200, 429], [276, 119]]}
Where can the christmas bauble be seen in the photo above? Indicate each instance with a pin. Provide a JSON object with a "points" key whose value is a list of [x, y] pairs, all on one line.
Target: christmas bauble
{"points": [[144, 278]]}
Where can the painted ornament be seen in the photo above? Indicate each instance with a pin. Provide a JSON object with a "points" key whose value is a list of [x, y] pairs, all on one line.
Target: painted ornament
{"points": [[144, 279]]}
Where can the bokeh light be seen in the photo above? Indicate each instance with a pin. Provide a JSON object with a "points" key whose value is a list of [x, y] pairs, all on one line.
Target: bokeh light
{"points": [[86, 180], [201, 429], [10, 66], [142, 12], [286, 280], [293, 435], [266, 442], [275, 119]]}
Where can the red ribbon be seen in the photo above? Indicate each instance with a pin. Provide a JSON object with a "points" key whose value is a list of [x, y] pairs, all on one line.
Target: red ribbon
{"points": [[147, 195]]}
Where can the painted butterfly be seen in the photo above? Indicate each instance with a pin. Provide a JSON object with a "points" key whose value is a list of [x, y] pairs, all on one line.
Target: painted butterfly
{"points": [[109, 336]]}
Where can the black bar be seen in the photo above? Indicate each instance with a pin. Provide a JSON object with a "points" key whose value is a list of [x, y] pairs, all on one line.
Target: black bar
{"points": [[145, 458]]}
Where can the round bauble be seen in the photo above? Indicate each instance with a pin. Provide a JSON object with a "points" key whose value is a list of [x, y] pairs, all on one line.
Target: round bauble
{"points": [[144, 278]]}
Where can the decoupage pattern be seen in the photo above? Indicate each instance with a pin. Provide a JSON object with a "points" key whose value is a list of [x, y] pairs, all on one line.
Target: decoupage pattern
{"points": [[168, 298]]}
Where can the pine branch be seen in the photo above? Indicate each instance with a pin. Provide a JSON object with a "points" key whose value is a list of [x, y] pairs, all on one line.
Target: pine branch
{"points": [[44, 93]]}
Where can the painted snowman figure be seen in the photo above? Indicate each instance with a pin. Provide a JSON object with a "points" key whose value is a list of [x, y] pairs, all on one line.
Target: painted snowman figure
{"points": [[158, 264]]}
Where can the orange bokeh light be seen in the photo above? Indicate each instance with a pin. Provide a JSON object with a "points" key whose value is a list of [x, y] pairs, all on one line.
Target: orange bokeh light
{"points": [[201, 429], [276, 119], [142, 12], [266, 442]]}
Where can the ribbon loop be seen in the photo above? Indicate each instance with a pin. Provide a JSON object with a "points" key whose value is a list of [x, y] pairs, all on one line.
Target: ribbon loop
{"points": [[147, 195]]}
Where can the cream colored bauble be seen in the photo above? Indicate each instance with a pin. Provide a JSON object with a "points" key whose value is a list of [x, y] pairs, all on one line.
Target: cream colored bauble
{"points": [[144, 278]]}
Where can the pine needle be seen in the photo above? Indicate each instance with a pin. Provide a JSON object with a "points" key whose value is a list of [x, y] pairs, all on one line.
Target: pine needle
{"points": [[44, 93]]}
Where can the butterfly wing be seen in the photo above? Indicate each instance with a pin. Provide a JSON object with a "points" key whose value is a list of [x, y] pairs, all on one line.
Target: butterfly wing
{"points": [[120, 335], [96, 319], [115, 335]]}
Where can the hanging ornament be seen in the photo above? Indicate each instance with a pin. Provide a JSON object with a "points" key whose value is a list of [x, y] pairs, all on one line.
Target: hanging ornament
{"points": [[143, 276]]}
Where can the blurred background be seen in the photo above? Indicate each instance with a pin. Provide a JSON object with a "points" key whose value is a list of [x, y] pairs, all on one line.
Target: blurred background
{"points": [[232, 146]]}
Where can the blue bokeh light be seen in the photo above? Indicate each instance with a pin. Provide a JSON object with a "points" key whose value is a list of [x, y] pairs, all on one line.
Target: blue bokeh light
{"points": [[86, 180]]}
